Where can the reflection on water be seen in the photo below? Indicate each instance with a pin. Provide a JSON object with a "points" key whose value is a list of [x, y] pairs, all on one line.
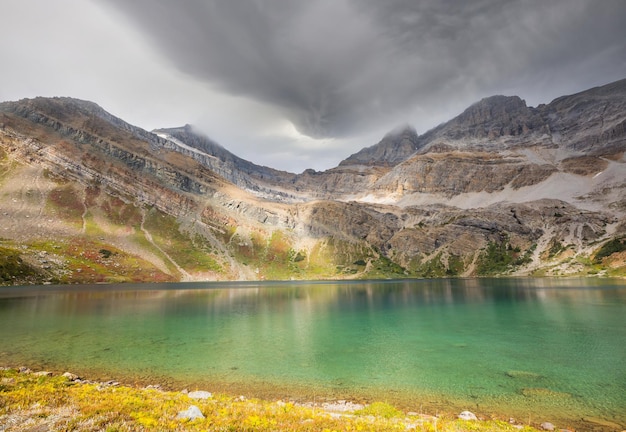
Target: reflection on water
{"points": [[515, 345]]}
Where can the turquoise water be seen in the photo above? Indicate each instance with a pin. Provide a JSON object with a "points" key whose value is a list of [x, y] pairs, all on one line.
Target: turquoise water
{"points": [[520, 347]]}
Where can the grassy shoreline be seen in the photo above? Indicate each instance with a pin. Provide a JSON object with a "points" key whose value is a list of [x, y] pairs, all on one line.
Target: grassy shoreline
{"points": [[43, 401]]}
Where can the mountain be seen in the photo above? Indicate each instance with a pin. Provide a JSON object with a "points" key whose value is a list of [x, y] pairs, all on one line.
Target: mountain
{"points": [[391, 150], [502, 188]]}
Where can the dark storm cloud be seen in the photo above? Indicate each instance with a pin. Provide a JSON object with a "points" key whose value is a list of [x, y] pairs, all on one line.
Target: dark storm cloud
{"points": [[335, 67]]}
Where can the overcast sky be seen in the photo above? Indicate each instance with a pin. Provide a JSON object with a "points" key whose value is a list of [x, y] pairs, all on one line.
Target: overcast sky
{"points": [[304, 84]]}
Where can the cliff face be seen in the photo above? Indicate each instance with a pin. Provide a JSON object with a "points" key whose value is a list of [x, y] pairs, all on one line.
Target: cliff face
{"points": [[501, 189]]}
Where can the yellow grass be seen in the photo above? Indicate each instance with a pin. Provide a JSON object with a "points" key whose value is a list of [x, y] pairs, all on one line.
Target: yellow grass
{"points": [[31, 402]]}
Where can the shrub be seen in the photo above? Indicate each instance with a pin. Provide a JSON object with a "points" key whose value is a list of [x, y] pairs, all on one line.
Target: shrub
{"points": [[609, 248], [495, 259]]}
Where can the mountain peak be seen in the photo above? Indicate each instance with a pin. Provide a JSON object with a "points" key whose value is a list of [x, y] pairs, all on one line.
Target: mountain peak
{"points": [[493, 109], [395, 147]]}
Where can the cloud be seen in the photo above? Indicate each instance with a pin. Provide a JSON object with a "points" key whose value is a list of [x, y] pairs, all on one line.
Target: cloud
{"points": [[337, 67], [79, 49]]}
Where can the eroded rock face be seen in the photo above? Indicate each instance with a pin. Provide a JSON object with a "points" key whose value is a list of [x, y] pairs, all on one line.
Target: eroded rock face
{"points": [[457, 173]]}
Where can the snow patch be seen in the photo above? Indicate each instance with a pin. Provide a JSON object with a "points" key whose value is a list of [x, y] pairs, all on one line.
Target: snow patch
{"points": [[181, 144]]}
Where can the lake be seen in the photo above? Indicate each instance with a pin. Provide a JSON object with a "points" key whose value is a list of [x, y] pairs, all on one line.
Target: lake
{"points": [[549, 349]]}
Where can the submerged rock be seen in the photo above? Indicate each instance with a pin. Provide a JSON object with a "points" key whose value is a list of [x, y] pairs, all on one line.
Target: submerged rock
{"points": [[467, 415], [544, 393], [523, 374], [603, 422], [192, 413]]}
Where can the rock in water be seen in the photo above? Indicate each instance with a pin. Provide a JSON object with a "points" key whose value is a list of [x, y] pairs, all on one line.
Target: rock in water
{"points": [[192, 413], [467, 415]]}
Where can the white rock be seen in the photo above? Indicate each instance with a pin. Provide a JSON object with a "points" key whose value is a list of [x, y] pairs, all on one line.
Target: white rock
{"points": [[467, 415], [192, 413], [200, 394], [547, 426]]}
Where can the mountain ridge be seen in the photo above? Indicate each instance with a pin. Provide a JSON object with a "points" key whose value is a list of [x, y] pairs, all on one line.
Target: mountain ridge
{"points": [[500, 189]]}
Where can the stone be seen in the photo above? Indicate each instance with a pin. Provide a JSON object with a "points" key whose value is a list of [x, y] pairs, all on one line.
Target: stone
{"points": [[154, 387], [467, 415], [70, 376], [191, 413], [43, 373], [200, 394], [547, 426]]}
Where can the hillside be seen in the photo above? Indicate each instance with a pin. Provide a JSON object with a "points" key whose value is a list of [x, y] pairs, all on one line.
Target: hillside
{"points": [[501, 189]]}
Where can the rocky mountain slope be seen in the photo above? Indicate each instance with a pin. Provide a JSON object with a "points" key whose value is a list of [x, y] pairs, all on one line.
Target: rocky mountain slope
{"points": [[503, 188]]}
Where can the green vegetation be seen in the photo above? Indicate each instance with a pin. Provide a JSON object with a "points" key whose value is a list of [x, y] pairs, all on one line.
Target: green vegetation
{"points": [[13, 268], [380, 409], [440, 266], [41, 402], [495, 259], [501, 257], [431, 268], [555, 248], [65, 203], [609, 248], [193, 256], [382, 267], [89, 260], [527, 257]]}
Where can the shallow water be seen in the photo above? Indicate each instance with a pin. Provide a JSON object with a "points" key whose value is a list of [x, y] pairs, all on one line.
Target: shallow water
{"points": [[521, 347]]}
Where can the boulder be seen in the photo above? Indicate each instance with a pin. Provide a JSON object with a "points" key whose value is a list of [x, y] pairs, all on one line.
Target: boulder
{"points": [[547, 426], [192, 413], [70, 376], [468, 415], [200, 394]]}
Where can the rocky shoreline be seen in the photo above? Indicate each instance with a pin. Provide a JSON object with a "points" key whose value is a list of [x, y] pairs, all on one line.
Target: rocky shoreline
{"points": [[197, 406]]}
